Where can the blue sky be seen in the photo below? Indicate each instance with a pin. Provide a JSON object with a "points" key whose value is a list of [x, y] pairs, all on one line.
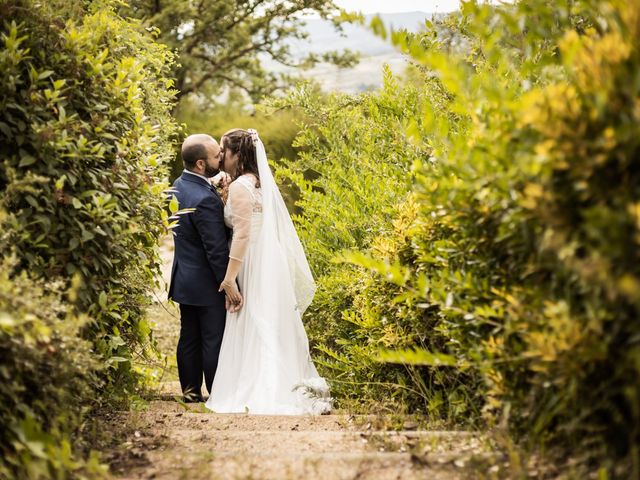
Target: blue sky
{"points": [[390, 6]]}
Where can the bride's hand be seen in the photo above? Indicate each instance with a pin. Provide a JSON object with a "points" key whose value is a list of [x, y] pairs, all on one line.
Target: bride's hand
{"points": [[233, 297], [230, 307], [221, 180]]}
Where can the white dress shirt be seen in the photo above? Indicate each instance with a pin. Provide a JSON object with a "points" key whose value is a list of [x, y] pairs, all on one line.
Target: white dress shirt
{"points": [[197, 175]]}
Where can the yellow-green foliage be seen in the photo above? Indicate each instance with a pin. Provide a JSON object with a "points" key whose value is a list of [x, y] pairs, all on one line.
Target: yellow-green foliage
{"points": [[501, 231], [48, 376], [85, 139], [353, 174]]}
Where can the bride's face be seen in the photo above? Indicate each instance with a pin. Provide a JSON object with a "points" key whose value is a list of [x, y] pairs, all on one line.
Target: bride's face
{"points": [[228, 160]]}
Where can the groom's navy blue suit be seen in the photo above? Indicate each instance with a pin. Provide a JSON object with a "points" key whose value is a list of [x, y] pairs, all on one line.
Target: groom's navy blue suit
{"points": [[199, 265]]}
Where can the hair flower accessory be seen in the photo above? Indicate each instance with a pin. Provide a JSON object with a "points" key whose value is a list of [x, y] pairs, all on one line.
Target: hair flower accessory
{"points": [[254, 135]]}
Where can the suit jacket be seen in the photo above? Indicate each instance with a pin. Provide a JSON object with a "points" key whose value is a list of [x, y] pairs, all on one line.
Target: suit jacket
{"points": [[201, 242]]}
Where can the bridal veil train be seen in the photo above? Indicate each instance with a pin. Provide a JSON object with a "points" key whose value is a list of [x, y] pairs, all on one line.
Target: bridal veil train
{"points": [[264, 365]]}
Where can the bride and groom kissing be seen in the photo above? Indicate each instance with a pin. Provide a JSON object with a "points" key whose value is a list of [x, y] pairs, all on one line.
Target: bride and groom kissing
{"points": [[242, 280]]}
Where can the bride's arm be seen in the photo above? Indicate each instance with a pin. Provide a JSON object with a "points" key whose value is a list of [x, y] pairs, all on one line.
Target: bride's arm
{"points": [[241, 211]]}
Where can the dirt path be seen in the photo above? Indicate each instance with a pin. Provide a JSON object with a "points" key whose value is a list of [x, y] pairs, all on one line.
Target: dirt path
{"points": [[173, 441], [166, 439]]}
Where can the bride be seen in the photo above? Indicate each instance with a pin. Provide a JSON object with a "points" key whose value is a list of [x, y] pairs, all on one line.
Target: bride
{"points": [[264, 365]]}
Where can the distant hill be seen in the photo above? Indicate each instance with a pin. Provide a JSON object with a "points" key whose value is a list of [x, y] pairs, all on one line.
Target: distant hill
{"points": [[323, 35], [374, 51]]}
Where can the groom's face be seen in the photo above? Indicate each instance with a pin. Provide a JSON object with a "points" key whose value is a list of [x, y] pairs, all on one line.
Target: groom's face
{"points": [[212, 163]]}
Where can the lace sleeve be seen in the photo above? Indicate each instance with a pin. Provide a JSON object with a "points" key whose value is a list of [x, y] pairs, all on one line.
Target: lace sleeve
{"points": [[241, 210]]}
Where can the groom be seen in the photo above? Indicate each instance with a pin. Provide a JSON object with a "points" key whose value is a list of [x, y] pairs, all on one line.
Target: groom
{"points": [[199, 265]]}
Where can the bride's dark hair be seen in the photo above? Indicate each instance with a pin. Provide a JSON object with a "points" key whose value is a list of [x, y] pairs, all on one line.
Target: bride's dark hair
{"points": [[239, 141]]}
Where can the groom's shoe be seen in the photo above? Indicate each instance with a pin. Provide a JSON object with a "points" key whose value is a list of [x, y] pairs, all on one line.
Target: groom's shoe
{"points": [[192, 398]]}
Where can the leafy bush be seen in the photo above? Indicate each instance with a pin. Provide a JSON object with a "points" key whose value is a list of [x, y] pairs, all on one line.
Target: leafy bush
{"points": [[509, 270], [352, 173], [48, 378], [85, 139]]}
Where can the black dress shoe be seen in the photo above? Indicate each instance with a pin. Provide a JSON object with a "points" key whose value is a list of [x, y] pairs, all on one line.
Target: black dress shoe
{"points": [[190, 398], [193, 400]]}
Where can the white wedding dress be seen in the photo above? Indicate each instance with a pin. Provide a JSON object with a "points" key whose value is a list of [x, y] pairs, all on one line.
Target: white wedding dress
{"points": [[264, 365]]}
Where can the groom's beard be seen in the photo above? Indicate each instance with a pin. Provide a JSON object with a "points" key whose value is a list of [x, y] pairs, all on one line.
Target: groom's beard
{"points": [[210, 171]]}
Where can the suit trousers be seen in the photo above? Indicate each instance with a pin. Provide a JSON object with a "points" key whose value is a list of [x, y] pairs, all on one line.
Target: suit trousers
{"points": [[201, 330]]}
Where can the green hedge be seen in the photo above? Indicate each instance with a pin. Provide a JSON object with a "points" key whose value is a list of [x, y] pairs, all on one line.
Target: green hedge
{"points": [[85, 140], [501, 286], [48, 374]]}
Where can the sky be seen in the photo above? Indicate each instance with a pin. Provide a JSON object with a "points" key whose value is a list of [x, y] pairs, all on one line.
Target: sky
{"points": [[393, 6]]}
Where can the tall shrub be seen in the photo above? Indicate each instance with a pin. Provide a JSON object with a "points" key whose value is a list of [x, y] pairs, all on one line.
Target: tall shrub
{"points": [[85, 137], [353, 172], [48, 377], [86, 132], [515, 248]]}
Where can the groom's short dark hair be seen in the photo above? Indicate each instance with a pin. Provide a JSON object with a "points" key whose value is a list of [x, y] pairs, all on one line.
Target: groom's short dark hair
{"points": [[192, 153]]}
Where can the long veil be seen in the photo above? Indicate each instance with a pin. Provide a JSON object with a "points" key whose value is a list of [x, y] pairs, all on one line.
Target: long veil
{"points": [[277, 224]]}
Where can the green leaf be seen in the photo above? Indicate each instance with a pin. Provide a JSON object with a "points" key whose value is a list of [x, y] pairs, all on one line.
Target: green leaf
{"points": [[417, 357], [117, 360], [173, 204], [4, 128], [32, 201], [45, 74], [86, 236], [6, 320], [102, 300], [26, 160], [378, 27]]}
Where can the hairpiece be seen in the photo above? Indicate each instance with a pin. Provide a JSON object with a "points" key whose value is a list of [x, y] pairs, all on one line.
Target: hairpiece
{"points": [[254, 135]]}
